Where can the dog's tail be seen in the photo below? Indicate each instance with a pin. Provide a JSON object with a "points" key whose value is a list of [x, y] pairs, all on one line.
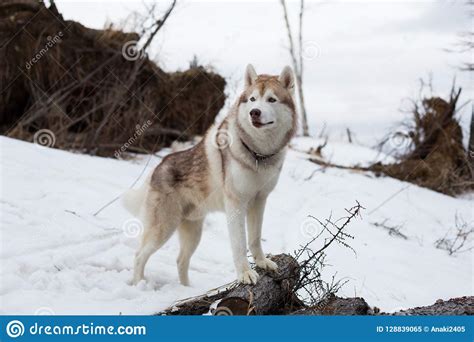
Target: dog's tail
{"points": [[133, 199]]}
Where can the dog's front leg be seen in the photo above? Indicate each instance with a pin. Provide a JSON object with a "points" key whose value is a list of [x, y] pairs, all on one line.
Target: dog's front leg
{"points": [[235, 213], [254, 224]]}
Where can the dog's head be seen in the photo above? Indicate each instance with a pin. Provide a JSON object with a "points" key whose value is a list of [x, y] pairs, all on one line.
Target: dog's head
{"points": [[266, 106]]}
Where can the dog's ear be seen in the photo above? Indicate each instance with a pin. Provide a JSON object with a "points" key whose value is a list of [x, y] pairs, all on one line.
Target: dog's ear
{"points": [[250, 75], [287, 79]]}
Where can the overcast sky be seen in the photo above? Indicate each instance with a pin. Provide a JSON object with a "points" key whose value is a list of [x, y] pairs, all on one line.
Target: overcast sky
{"points": [[363, 59]]}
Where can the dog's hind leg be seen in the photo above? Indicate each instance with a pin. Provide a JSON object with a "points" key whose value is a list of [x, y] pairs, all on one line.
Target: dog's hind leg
{"points": [[189, 236], [158, 228], [147, 248], [151, 242]]}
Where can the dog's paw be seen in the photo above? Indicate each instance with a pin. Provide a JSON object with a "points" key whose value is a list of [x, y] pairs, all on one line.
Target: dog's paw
{"points": [[135, 281], [267, 264], [248, 277]]}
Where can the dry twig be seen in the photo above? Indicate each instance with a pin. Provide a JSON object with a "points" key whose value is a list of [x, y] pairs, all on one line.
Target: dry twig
{"points": [[312, 262]]}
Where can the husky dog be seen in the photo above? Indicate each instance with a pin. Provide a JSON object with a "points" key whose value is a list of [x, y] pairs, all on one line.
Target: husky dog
{"points": [[232, 169]]}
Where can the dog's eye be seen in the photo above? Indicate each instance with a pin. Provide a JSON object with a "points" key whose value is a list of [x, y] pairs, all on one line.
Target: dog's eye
{"points": [[272, 99], [252, 99]]}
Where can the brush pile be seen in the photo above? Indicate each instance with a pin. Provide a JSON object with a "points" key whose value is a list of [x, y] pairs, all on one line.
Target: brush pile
{"points": [[433, 154], [94, 91], [436, 157]]}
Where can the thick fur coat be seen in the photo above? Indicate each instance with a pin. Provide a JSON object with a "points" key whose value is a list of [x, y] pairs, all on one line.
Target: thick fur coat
{"points": [[233, 169]]}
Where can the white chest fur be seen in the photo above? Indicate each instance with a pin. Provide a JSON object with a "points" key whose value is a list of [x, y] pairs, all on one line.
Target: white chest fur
{"points": [[248, 184]]}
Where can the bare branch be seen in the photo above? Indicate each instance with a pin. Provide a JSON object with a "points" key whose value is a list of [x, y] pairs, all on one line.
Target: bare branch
{"points": [[297, 61], [460, 240], [312, 262], [300, 41], [158, 24], [290, 37]]}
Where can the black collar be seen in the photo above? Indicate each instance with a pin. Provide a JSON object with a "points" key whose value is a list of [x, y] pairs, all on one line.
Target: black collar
{"points": [[257, 156]]}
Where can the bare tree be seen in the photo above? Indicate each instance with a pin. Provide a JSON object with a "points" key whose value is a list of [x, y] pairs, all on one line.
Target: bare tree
{"points": [[470, 150], [467, 45], [468, 42], [297, 61], [467, 39]]}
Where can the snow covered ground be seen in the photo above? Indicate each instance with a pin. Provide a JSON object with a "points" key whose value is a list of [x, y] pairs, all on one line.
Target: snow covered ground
{"points": [[56, 257]]}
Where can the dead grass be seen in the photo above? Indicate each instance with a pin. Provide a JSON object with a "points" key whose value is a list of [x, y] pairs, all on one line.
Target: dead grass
{"points": [[85, 91]]}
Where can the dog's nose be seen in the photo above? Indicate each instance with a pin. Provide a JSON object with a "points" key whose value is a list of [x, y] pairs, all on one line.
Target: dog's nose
{"points": [[255, 113]]}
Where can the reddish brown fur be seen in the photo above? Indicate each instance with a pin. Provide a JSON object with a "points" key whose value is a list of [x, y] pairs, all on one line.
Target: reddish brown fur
{"points": [[186, 185], [264, 82], [189, 168], [184, 169]]}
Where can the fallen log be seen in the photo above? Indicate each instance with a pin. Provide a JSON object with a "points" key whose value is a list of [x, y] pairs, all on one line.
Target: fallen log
{"points": [[271, 295], [454, 306], [334, 305]]}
